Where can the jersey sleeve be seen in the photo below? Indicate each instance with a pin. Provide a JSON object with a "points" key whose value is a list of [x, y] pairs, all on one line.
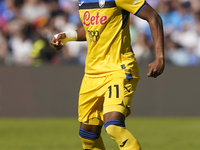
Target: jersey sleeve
{"points": [[132, 6]]}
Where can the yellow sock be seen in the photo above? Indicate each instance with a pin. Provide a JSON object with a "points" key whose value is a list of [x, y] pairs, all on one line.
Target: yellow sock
{"points": [[124, 139], [92, 144]]}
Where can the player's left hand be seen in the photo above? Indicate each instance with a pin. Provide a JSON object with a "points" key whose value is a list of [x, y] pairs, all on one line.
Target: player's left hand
{"points": [[156, 68]]}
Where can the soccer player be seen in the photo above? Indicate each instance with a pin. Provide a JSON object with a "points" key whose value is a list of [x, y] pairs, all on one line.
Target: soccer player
{"points": [[111, 70]]}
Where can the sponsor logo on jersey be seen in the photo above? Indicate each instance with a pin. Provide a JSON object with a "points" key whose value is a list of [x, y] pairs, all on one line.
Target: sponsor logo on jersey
{"points": [[88, 19]]}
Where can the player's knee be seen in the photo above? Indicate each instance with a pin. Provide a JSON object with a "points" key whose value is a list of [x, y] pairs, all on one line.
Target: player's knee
{"points": [[88, 135], [110, 128], [91, 141]]}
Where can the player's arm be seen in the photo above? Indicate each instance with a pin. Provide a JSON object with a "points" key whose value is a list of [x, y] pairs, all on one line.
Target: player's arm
{"points": [[60, 39], [155, 22]]}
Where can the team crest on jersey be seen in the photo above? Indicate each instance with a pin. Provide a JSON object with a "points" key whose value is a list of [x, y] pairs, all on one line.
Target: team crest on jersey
{"points": [[101, 3], [81, 3]]}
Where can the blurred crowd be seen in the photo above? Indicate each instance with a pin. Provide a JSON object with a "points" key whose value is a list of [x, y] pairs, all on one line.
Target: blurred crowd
{"points": [[27, 26]]}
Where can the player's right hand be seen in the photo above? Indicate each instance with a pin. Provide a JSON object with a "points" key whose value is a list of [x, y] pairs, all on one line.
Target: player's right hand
{"points": [[156, 68], [56, 41]]}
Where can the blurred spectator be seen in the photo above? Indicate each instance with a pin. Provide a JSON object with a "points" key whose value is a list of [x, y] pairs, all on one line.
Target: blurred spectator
{"points": [[133, 30], [142, 49], [195, 5], [34, 9], [3, 47], [177, 54], [19, 43], [197, 30], [42, 52], [168, 16], [71, 7]]}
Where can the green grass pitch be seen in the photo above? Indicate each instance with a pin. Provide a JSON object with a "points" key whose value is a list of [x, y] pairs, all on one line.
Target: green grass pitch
{"points": [[153, 133]]}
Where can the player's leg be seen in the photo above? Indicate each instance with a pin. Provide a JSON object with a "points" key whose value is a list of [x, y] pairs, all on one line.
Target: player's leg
{"points": [[90, 114], [90, 136], [115, 128], [117, 105]]}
